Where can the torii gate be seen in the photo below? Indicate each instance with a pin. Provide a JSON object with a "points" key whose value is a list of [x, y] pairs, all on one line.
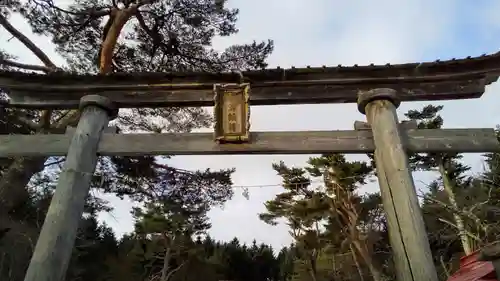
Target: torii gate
{"points": [[377, 89]]}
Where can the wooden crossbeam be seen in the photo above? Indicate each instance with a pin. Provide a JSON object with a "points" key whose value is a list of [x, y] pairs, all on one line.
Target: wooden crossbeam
{"points": [[38, 96], [315, 142], [404, 125], [421, 81]]}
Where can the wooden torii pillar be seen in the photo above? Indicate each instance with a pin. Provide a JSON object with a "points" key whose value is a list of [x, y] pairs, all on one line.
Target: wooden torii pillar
{"points": [[407, 234], [53, 249]]}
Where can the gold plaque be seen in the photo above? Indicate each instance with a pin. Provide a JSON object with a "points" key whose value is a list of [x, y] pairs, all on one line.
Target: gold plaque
{"points": [[232, 113]]}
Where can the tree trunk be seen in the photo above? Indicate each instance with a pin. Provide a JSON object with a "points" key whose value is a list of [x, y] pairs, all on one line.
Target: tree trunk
{"points": [[374, 271], [14, 180], [166, 265], [312, 267], [358, 266], [348, 211], [13, 191], [462, 233]]}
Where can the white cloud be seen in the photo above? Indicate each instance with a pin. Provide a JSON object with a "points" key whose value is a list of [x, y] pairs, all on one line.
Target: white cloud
{"points": [[322, 32]]}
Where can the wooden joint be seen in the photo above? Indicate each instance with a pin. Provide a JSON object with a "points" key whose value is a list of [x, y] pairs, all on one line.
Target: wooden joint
{"points": [[404, 125], [99, 101], [366, 97]]}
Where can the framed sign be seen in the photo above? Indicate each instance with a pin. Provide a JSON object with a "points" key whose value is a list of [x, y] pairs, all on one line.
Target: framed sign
{"points": [[232, 113]]}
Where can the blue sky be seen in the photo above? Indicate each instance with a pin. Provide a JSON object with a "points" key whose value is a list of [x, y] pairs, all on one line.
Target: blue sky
{"points": [[330, 32]]}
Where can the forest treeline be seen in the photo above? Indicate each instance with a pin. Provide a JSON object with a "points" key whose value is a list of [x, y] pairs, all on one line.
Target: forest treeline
{"points": [[339, 233]]}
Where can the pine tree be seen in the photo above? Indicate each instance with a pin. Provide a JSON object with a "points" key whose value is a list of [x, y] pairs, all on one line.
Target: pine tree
{"points": [[323, 217], [176, 211], [342, 179], [99, 37], [448, 166], [123, 36]]}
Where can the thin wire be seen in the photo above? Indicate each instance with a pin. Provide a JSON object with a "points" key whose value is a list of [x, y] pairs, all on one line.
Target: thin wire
{"points": [[277, 184], [252, 186], [264, 185], [289, 184]]}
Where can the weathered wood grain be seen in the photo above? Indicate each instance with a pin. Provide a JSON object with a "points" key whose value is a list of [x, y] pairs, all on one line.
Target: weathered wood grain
{"points": [[407, 233], [395, 237], [43, 95], [404, 125], [446, 140], [438, 80], [484, 64], [107, 130], [55, 244], [232, 114]]}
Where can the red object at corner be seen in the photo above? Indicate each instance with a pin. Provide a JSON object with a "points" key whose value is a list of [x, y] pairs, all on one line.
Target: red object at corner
{"points": [[473, 270]]}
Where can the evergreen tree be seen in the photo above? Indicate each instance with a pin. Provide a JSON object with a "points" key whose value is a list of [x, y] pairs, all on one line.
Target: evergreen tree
{"points": [[100, 37], [448, 166], [176, 211], [123, 36], [342, 179], [324, 221], [304, 209]]}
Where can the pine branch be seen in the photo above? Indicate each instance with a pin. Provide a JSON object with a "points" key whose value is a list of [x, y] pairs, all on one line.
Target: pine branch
{"points": [[27, 42], [169, 275], [469, 234], [49, 65], [56, 162], [455, 210], [33, 67], [93, 12]]}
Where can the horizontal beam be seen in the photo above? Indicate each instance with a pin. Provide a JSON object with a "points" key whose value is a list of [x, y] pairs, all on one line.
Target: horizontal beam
{"points": [[315, 142], [420, 81], [312, 92], [453, 67], [403, 125]]}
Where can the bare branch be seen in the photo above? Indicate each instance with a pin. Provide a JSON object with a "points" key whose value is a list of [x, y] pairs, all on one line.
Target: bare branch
{"points": [[481, 204], [453, 209], [27, 42], [144, 2], [470, 234], [446, 269], [174, 270], [60, 117], [143, 24], [11, 63], [56, 162]]}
